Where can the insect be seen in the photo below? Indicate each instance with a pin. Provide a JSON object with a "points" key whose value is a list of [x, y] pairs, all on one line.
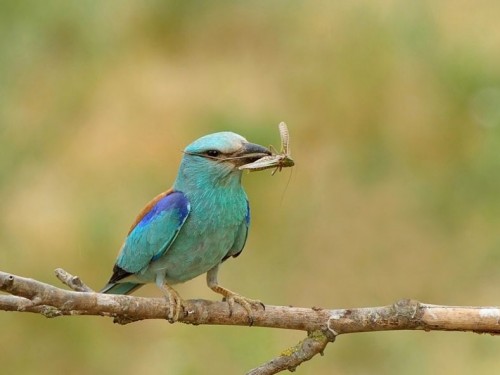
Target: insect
{"points": [[280, 160]]}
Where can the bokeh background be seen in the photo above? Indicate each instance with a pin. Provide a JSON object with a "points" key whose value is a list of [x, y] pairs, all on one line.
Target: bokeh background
{"points": [[394, 114]]}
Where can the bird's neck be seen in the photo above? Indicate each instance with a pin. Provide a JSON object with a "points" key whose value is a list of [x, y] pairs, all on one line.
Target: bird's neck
{"points": [[203, 178], [218, 195]]}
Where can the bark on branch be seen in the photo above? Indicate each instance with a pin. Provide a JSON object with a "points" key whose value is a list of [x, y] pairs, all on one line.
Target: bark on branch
{"points": [[322, 325]]}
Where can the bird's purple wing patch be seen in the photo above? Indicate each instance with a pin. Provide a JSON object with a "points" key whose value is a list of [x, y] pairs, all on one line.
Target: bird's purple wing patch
{"points": [[153, 231], [172, 201]]}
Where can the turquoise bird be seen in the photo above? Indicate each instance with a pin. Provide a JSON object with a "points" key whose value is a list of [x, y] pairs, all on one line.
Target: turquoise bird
{"points": [[193, 227]]}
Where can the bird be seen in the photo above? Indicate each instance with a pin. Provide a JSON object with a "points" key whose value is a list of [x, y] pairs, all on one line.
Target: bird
{"points": [[193, 227]]}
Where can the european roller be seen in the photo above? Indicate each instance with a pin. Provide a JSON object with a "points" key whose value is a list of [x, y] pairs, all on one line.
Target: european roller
{"points": [[193, 227]]}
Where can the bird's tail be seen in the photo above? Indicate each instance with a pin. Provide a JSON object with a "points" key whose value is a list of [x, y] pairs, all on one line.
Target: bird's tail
{"points": [[120, 288]]}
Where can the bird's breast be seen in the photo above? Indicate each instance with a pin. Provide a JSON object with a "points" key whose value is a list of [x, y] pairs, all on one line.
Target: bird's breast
{"points": [[205, 238]]}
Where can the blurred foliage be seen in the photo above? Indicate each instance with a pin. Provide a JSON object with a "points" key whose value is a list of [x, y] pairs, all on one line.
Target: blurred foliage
{"points": [[394, 114]]}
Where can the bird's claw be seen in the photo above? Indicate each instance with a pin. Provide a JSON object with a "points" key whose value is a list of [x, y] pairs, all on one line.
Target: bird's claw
{"points": [[175, 304], [175, 309], [248, 304], [231, 297]]}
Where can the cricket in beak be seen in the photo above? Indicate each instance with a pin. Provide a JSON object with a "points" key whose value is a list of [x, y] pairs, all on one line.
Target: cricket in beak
{"points": [[273, 159]]}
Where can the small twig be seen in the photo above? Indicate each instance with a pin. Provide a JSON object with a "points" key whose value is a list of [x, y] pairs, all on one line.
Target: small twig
{"points": [[314, 344], [14, 303], [74, 282]]}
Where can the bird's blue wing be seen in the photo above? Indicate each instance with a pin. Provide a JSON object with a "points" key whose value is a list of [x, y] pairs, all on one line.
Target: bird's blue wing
{"points": [[241, 236], [153, 232]]}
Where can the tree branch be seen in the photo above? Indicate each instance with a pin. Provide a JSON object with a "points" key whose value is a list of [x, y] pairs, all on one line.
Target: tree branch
{"points": [[322, 325]]}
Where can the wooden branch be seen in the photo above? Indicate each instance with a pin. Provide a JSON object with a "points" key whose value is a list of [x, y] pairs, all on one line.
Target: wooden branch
{"points": [[322, 325]]}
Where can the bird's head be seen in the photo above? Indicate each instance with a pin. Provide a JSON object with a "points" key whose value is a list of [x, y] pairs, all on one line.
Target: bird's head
{"points": [[218, 156]]}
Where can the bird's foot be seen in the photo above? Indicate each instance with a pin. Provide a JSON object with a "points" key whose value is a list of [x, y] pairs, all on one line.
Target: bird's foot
{"points": [[175, 303], [250, 305]]}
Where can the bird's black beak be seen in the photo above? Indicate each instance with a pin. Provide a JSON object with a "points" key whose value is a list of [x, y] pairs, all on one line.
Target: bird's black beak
{"points": [[249, 153]]}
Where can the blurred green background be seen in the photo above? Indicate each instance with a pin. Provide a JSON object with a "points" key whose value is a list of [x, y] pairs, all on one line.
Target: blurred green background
{"points": [[394, 114]]}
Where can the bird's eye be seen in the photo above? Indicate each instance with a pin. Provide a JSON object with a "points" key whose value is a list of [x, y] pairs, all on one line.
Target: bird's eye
{"points": [[213, 153]]}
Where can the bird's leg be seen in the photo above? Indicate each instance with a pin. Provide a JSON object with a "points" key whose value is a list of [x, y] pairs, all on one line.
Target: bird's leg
{"points": [[232, 297], [173, 298]]}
